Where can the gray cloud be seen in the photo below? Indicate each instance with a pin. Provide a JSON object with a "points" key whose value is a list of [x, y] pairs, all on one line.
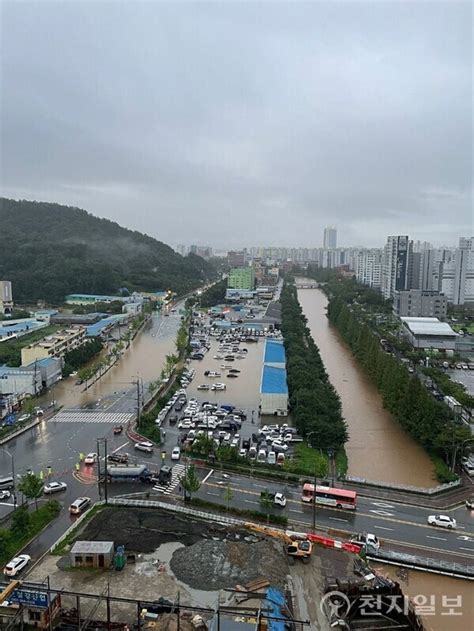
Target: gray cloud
{"points": [[234, 124]]}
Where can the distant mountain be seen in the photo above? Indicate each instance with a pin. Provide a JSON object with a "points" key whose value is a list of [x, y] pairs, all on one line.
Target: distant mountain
{"points": [[49, 251]]}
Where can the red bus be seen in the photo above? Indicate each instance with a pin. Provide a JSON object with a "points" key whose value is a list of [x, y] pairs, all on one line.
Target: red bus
{"points": [[329, 496]]}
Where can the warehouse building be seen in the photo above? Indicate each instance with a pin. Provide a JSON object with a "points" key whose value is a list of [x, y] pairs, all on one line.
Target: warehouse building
{"points": [[273, 391], [99, 554], [429, 333], [274, 354]]}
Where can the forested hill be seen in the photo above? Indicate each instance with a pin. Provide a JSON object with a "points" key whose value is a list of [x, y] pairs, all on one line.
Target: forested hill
{"points": [[49, 251]]}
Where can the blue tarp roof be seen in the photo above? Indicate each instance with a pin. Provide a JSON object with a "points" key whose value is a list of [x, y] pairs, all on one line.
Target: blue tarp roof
{"points": [[275, 602], [274, 380], [28, 324], [274, 352]]}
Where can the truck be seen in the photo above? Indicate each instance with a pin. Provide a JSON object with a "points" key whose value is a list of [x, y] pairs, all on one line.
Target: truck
{"points": [[278, 499], [130, 473], [367, 540]]}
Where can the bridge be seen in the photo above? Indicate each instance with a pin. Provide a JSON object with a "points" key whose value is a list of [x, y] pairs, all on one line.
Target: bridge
{"points": [[306, 285]]}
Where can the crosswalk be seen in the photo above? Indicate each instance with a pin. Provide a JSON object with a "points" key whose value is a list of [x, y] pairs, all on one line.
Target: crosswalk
{"points": [[176, 473], [86, 416]]}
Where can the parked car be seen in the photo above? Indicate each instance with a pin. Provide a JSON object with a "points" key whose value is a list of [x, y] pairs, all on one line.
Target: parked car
{"points": [[4, 495], [14, 567], [90, 458], [79, 505], [54, 487], [444, 521], [144, 446]]}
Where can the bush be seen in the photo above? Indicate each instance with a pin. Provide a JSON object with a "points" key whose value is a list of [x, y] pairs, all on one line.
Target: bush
{"points": [[443, 472], [281, 520], [20, 521]]}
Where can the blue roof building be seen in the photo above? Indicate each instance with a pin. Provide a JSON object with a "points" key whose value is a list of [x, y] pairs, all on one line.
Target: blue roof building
{"points": [[274, 353], [274, 391]]}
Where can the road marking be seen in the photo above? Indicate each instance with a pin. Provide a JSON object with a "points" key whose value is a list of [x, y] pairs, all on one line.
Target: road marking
{"points": [[208, 476], [382, 527], [383, 504], [250, 502], [121, 447], [215, 494], [468, 549], [383, 513], [6, 504], [466, 538], [437, 538], [338, 519], [296, 511]]}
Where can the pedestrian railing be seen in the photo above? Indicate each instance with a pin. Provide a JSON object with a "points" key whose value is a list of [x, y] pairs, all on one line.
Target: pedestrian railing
{"points": [[427, 564], [402, 488]]}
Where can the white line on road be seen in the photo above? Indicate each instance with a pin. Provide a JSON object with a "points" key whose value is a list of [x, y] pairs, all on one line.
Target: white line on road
{"points": [[260, 486], [382, 527], [121, 447], [250, 502], [6, 504], [469, 549], [208, 476], [296, 511], [339, 519], [216, 494], [437, 538]]}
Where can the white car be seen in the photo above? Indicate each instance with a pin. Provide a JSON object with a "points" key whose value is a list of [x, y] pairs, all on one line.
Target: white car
{"points": [[90, 458], [144, 446], [176, 453], [54, 487], [444, 521], [15, 566], [4, 495], [186, 424]]}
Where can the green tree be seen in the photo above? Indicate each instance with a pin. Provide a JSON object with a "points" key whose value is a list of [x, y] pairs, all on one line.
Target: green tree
{"points": [[267, 504], [20, 521], [31, 486], [190, 482], [228, 496]]}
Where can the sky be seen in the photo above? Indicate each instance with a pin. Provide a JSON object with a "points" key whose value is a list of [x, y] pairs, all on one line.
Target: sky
{"points": [[235, 124]]}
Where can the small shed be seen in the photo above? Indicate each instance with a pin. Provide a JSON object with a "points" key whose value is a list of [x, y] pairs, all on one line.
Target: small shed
{"points": [[92, 554]]}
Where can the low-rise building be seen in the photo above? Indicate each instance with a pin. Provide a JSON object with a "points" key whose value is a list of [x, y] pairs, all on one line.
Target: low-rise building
{"points": [[273, 391], [22, 380], [56, 345], [419, 304], [98, 554], [6, 297], [429, 333]]}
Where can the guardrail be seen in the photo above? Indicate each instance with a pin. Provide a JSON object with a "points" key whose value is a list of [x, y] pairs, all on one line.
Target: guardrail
{"points": [[425, 564], [407, 489]]}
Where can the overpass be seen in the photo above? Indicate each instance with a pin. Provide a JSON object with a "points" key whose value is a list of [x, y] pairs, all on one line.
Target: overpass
{"points": [[306, 285]]}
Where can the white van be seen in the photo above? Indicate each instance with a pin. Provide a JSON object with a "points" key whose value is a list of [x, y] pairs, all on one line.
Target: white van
{"points": [[271, 458], [262, 455], [252, 453]]}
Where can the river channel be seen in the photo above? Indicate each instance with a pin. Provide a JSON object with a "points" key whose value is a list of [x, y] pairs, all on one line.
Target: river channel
{"points": [[378, 448]]}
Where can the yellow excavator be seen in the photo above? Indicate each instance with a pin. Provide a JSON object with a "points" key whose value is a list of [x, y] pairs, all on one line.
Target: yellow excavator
{"points": [[297, 546], [8, 590]]}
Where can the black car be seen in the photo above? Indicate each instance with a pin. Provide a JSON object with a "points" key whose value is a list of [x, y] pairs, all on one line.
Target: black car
{"points": [[118, 457], [173, 419]]}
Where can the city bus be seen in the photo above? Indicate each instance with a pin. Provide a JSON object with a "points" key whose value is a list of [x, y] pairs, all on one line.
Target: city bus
{"points": [[330, 496]]}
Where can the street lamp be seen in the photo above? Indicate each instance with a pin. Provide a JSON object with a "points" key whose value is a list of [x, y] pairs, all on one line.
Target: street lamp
{"points": [[13, 473], [313, 519]]}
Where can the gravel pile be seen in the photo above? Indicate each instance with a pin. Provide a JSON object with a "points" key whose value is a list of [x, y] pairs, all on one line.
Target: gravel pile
{"points": [[211, 565]]}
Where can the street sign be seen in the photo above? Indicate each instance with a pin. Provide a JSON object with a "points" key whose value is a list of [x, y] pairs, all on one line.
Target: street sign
{"points": [[32, 599], [9, 419]]}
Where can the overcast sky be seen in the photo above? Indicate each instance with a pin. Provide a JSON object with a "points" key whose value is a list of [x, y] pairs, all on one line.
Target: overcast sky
{"points": [[236, 124]]}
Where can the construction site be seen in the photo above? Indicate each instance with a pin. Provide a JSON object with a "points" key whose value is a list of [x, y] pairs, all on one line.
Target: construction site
{"points": [[148, 568]]}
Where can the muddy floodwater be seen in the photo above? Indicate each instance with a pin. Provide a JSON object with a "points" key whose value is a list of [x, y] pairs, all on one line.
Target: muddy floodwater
{"points": [[378, 448]]}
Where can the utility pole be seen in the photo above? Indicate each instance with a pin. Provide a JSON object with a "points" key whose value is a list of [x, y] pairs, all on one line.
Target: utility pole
{"points": [[139, 405]]}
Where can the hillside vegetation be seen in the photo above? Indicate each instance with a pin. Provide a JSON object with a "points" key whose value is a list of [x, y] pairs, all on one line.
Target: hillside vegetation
{"points": [[49, 251]]}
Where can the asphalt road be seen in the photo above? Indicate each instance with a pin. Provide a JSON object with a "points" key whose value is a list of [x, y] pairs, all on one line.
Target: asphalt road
{"points": [[394, 523]]}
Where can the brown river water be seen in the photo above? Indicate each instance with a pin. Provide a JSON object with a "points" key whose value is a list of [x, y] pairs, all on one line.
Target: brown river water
{"points": [[378, 448]]}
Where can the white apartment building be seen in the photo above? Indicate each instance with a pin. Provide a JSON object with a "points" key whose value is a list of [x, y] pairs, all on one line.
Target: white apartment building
{"points": [[330, 238], [457, 275], [369, 268]]}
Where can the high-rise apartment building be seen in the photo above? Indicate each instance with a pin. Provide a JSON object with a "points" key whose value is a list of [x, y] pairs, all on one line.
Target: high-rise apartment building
{"points": [[330, 238], [396, 265], [6, 296], [369, 267], [458, 273]]}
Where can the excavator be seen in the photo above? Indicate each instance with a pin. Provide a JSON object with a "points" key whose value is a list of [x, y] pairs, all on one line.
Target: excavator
{"points": [[297, 546]]}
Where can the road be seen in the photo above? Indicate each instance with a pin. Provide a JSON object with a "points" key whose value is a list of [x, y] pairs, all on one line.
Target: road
{"points": [[399, 525]]}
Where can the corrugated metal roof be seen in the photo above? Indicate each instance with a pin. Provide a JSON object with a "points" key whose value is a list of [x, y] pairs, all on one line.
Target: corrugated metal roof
{"points": [[274, 352], [428, 326], [92, 547], [274, 380]]}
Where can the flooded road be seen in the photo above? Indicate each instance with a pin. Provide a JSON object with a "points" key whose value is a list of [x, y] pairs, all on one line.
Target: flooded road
{"points": [[378, 448], [145, 358]]}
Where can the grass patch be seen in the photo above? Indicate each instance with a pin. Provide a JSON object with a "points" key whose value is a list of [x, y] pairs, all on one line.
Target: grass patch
{"points": [[443, 472], [280, 520], [25, 526]]}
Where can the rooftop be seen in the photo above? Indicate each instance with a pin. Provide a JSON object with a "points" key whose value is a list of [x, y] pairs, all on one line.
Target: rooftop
{"points": [[428, 326], [92, 547], [274, 352], [274, 380]]}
